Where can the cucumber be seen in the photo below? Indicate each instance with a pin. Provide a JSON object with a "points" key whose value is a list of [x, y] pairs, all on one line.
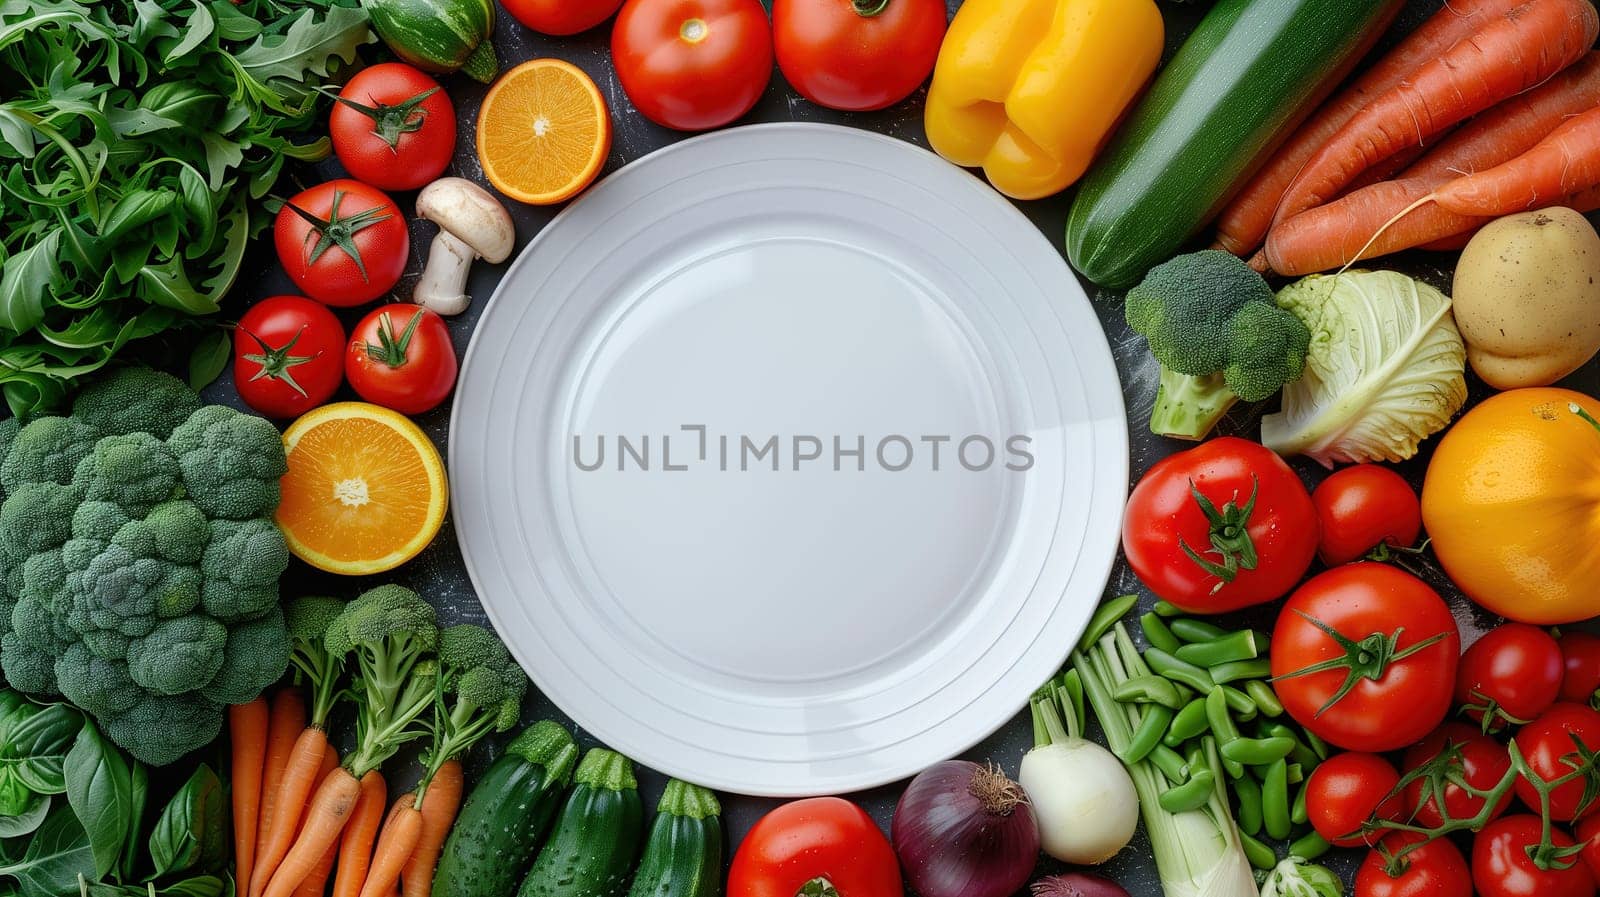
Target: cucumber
{"points": [[507, 814], [683, 857], [1250, 73], [592, 851], [438, 36]]}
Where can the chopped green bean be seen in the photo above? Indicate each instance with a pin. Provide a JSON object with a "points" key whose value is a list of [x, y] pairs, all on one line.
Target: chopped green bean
{"points": [[1265, 699], [1230, 648], [1259, 855], [1234, 670], [1247, 794], [1189, 721], [1168, 609], [1157, 633], [1223, 728], [1179, 671], [1191, 795], [1301, 754], [1298, 813], [1309, 846], [1297, 774], [1191, 630], [1147, 737], [1316, 744], [1275, 801], [1107, 616], [1148, 690], [1171, 764], [1257, 751], [1238, 701]]}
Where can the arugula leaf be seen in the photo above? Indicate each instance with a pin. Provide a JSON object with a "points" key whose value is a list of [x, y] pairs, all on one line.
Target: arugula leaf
{"points": [[308, 45], [26, 278]]}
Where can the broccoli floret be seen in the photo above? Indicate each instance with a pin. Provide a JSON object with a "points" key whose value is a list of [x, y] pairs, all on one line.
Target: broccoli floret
{"points": [[47, 451], [231, 462], [483, 689], [136, 471], [28, 668], [97, 685], [177, 653], [241, 564], [8, 433], [255, 657], [1213, 325], [385, 633], [38, 517], [135, 400], [179, 531], [98, 521], [160, 730]]}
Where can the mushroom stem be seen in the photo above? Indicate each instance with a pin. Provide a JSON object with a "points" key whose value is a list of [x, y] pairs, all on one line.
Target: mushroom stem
{"points": [[443, 287]]}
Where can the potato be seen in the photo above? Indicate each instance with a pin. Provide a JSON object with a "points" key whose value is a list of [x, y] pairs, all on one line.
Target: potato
{"points": [[1527, 297]]}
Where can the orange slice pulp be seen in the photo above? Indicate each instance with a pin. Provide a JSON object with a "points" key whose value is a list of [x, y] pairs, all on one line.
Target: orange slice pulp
{"points": [[543, 132]]}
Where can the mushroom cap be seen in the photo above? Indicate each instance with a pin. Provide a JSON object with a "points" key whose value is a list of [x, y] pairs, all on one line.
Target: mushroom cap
{"points": [[471, 215]]}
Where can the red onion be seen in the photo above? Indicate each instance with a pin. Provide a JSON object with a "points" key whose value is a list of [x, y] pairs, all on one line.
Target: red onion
{"points": [[1077, 884], [964, 830]]}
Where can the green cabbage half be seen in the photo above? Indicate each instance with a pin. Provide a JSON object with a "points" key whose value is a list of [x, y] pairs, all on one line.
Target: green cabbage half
{"points": [[1387, 369]]}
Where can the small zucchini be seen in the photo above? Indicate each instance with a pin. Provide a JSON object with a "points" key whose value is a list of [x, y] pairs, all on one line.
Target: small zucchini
{"points": [[683, 857], [507, 815], [596, 841]]}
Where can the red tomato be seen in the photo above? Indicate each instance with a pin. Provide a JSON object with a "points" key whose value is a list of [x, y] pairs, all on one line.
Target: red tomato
{"points": [[819, 837], [1513, 673], [1435, 869], [1362, 507], [393, 127], [1458, 749], [400, 357], [1253, 543], [1589, 836], [343, 243], [1345, 790], [693, 65], [1501, 866], [1580, 656], [286, 356], [1400, 647], [857, 55], [561, 17], [1547, 745]]}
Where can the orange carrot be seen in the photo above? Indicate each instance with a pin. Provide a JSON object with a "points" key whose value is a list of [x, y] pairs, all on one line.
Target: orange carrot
{"points": [[355, 845], [1565, 162], [330, 809], [1244, 223], [1504, 57], [316, 884], [440, 802], [300, 776], [288, 720], [247, 736], [398, 840]]}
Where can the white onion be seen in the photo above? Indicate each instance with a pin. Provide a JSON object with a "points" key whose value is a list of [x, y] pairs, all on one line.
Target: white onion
{"points": [[1083, 800]]}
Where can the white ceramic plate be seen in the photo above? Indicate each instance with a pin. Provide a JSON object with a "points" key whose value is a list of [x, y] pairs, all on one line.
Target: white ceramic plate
{"points": [[790, 631]]}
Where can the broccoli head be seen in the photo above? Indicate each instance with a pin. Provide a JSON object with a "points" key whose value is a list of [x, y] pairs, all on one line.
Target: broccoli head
{"points": [[1213, 325], [139, 563], [386, 635], [483, 689]]}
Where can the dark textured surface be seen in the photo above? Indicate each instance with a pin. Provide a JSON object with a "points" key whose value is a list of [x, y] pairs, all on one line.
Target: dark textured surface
{"points": [[438, 573]]}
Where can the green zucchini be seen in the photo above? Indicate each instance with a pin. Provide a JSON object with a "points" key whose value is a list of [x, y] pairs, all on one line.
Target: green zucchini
{"points": [[507, 815], [683, 857], [1251, 71], [592, 851], [439, 36]]}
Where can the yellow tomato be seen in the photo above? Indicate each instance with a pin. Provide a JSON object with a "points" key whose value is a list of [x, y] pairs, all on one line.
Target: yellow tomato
{"points": [[1512, 503]]}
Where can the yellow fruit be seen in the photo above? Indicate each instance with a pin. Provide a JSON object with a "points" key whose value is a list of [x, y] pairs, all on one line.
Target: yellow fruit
{"points": [[365, 492], [543, 132]]}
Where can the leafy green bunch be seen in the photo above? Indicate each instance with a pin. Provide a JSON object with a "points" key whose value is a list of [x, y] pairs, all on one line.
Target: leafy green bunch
{"points": [[137, 141]]}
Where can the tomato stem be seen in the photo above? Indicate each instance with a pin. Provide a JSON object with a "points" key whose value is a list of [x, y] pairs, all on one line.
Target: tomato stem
{"points": [[1229, 534], [391, 121], [817, 887], [1369, 658], [868, 9], [276, 363], [391, 350], [338, 230]]}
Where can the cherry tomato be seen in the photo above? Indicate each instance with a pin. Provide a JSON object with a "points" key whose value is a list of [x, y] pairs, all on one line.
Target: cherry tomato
{"points": [[286, 356], [1589, 836], [693, 65], [1399, 654], [819, 837], [561, 17], [1362, 507], [1580, 656], [1501, 866], [1436, 869], [1480, 760], [857, 55], [400, 357], [1346, 789], [1241, 511], [1548, 747], [393, 127], [1513, 673], [343, 243]]}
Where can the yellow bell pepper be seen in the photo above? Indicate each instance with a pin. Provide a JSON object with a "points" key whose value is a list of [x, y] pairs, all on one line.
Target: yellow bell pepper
{"points": [[1030, 89]]}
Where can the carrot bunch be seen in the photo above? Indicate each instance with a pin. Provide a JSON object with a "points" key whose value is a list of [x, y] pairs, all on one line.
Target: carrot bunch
{"points": [[1510, 91]]}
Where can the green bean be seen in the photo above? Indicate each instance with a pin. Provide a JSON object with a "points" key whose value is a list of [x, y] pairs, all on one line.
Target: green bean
{"points": [[1301, 754], [1168, 609], [1223, 728], [1297, 811], [1309, 846], [1265, 699], [1316, 744], [1259, 855], [1191, 795], [1230, 648], [1157, 633], [1296, 774], [1147, 737], [1234, 670], [1247, 794], [1257, 751], [1238, 701], [1275, 801], [1179, 670], [1190, 721], [1171, 764], [1150, 689], [1191, 630], [1106, 616]]}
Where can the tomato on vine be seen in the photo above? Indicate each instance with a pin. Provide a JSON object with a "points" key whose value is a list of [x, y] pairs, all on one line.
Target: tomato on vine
{"points": [[1431, 869], [343, 242], [1558, 747], [1511, 858], [1580, 656], [286, 356], [1347, 789], [1452, 756], [393, 127], [1509, 676]]}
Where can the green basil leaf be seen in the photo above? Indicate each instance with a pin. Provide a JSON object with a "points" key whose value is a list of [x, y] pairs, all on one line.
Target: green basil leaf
{"points": [[37, 748], [210, 356], [26, 278], [28, 820], [140, 795], [100, 791], [50, 862], [15, 796], [192, 832]]}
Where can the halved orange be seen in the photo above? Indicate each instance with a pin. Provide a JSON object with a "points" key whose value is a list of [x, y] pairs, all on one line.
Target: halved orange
{"points": [[365, 492], [543, 132]]}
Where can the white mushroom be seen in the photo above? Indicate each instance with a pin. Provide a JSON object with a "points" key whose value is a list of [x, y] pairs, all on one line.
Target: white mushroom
{"points": [[472, 225]]}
